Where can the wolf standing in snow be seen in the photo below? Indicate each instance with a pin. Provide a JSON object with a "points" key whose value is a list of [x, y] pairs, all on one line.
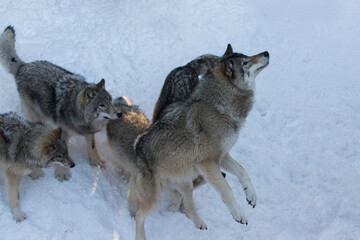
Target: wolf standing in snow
{"points": [[25, 147], [52, 94], [196, 135], [121, 135]]}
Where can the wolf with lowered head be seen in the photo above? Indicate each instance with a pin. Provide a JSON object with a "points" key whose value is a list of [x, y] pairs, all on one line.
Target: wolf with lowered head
{"points": [[54, 95], [25, 148]]}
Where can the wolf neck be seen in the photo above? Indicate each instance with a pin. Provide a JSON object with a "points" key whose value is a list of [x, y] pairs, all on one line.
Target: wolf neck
{"points": [[225, 97]]}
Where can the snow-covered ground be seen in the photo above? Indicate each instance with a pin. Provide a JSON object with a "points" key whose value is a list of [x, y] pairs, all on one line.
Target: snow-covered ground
{"points": [[300, 144]]}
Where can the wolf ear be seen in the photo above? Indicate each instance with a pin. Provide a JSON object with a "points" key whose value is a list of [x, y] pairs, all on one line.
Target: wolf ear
{"points": [[101, 84], [228, 68], [57, 132], [229, 50]]}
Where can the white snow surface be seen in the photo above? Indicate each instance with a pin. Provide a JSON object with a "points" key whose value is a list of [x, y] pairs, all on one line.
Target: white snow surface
{"points": [[300, 143]]}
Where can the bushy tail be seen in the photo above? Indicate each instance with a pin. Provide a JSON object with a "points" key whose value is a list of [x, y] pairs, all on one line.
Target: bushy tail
{"points": [[8, 57]]}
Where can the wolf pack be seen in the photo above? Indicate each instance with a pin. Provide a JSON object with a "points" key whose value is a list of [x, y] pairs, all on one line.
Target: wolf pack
{"points": [[196, 121]]}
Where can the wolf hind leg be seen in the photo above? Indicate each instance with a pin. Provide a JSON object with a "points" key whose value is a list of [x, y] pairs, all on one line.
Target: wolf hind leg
{"points": [[29, 112], [230, 165], [94, 158], [212, 174], [147, 195], [12, 188], [133, 204], [186, 190], [176, 200]]}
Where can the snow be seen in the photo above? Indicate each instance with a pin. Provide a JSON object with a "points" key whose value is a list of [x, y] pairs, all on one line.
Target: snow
{"points": [[300, 144]]}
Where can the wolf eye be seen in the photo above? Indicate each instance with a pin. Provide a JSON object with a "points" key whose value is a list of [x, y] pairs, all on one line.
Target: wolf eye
{"points": [[244, 64], [102, 105]]}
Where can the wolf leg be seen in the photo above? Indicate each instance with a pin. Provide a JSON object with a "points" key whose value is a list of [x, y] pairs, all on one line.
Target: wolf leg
{"points": [[186, 190], [176, 199], [213, 175], [12, 187], [94, 158], [29, 112], [37, 173], [147, 193], [230, 165], [144, 211], [63, 173], [133, 203]]}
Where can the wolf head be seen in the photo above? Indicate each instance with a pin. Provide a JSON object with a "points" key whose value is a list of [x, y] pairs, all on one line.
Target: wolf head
{"points": [[240, 69], [97, 104], [124, 104], [45, 146]]}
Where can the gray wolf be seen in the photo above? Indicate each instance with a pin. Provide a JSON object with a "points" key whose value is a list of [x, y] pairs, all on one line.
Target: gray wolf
{"points": [[194, 136], [54, 95], [25, 147], [121, 135]]}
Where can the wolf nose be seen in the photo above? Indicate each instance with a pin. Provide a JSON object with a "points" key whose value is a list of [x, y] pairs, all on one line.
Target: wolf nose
{"points": [[72, 165], [119, 114], [266, 54]]}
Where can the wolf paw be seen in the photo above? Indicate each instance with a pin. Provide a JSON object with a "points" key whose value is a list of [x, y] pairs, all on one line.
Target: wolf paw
{"points": [[36, 174], [250, 196], [200, 224], [19, 216], [62, 174], [241, 219], [96, 162]]}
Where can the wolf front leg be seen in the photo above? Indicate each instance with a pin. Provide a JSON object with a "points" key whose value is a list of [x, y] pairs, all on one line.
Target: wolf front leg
{"points": [[12, 188], [213, 175], [94, 158], [230, 165], [63, 173]]}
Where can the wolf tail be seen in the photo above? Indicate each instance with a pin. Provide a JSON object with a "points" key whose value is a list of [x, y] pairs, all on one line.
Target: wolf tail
{"points": [[8, 57]]}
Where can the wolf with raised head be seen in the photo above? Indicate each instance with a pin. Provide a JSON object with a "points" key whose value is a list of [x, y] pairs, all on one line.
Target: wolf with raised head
{"points": [[25, 148], [52, 94], [194, 136]]}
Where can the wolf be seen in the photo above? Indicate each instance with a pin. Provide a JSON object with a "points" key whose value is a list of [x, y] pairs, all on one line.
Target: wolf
{"points": [[25, 148], [54, 95], [121, 135], [194, 136]]}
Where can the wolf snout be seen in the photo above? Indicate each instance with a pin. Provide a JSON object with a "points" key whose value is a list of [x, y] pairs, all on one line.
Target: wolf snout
{"points": [[265, 58]]}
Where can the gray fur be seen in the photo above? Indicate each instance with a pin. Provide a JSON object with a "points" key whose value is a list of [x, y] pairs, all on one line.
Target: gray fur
{"points": [[8, 57], [121, 135], [52, 94], [25, 147], [196, 135], [181, 82]]}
